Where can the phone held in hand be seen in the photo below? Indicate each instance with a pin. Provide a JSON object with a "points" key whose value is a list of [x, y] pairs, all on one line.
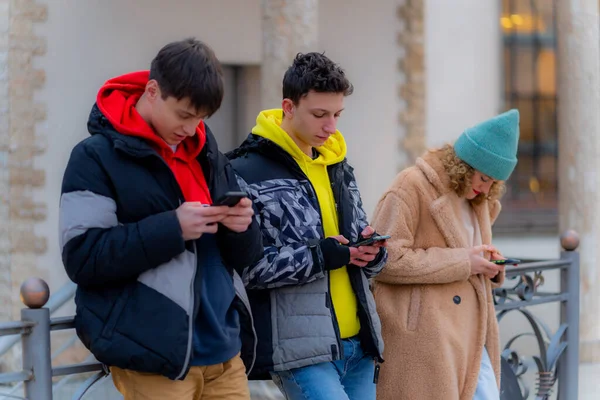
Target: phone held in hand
{"points": [[506, 261], [230, 199], [369, 241]]}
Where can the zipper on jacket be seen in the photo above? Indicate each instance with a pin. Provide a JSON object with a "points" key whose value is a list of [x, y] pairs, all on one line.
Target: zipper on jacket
{"points": [[255, 343], [376, 372], [188, 353], [336, 327], [334, 322], [362, 304], [255, 335]]}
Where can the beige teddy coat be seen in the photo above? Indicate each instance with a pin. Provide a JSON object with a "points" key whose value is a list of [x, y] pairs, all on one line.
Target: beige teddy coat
{"points": [[436, 317]]}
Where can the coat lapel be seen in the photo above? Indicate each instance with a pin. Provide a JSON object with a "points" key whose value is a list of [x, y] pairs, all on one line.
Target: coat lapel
{"points": [[442, 209], [443, 213]]}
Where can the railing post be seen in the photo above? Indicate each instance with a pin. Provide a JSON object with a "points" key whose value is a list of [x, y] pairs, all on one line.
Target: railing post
{"points": [[36, 345], [568, 367]]}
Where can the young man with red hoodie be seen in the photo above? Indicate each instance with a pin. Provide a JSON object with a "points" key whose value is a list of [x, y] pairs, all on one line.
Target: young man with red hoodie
{"points": [[159, 300]]}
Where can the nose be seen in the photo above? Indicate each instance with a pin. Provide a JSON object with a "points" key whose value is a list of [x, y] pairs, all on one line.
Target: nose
{"points": [[330, 125], [189, 129]]}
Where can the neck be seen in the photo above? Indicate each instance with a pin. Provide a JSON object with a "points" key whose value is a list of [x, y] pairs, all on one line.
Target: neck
{"points": [[143, 108], [304, 147]]}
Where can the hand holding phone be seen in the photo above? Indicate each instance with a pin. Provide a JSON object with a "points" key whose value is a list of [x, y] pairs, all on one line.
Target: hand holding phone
{"points": [[230, 199], [370, 240], [239, 213]]}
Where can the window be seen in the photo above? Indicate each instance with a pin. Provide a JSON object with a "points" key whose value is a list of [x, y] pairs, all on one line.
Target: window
{"points": [[529, 46]]}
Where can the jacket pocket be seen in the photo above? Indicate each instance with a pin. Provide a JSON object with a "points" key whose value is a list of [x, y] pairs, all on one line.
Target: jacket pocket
{"points": [[115, 313], [414, 309]]}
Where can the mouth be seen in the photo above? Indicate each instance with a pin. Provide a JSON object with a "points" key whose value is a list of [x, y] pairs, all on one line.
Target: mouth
{"points": [[322, 137], [179, 137], [477, 193]]}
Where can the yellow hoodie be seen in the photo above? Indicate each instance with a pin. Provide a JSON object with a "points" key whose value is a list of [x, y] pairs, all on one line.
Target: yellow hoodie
{"points": [[268, 125]]}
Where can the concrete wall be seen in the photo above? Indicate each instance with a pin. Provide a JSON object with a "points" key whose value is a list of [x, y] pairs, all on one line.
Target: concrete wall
{"points": [[463, 59], [362, 38]]}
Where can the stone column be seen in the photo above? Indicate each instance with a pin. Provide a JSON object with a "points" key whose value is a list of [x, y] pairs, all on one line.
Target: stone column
{"points": [[579, 151], [19, 144], [411, 38], [289, 27], [5, 287]]}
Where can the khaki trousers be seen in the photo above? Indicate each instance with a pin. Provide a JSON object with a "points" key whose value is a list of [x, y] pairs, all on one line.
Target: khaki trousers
{"points": [[226, 381]]}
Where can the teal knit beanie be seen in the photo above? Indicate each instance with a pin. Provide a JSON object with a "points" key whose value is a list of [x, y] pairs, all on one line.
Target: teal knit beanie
{"points": [[491, 146]]}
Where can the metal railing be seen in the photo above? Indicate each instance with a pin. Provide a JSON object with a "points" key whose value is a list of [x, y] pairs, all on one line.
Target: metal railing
{"points": [[34, 328], [557, 353], [56, 301], [557, 361]]}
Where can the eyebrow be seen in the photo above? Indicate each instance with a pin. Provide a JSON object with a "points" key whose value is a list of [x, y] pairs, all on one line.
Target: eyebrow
{"points": [[187, 113], [324, 110]]}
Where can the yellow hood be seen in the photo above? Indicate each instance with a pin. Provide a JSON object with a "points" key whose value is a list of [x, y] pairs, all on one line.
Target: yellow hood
{"points": [[268, 125]]}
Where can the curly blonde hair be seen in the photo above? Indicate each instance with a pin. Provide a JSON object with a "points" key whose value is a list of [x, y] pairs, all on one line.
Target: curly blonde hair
{"points": [[461, 174]]}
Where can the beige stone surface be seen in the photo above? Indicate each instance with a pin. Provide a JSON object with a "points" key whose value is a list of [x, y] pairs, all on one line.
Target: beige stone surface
{"points": [[579, 164], [412, 64], [288, 27], [19, 114]]}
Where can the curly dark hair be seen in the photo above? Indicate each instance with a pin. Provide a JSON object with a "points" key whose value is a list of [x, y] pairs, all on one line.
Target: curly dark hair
{"points": [[314, 71], [461, 173], [190, 69]]}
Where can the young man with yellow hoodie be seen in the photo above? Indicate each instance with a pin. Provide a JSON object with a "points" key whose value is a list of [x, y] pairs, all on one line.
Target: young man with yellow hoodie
{"points": [[319, 335]]}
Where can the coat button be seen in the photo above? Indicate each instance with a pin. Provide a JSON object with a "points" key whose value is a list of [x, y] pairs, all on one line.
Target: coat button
{"points": [[456, 299]]}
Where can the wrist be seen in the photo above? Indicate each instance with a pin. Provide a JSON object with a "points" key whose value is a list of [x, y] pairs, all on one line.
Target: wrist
{"points": [[335, 254]]}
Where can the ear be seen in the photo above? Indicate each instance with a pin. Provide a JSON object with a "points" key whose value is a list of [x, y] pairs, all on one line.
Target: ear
{"points": [[288, 107], [152, 90]]}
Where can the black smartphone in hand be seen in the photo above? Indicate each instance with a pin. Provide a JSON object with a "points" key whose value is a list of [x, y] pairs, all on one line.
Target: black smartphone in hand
{"points": [[369, 241], [230, 199]]}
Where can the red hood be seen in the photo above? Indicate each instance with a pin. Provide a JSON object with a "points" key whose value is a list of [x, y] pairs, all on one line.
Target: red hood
{"points": [[117, 100]]}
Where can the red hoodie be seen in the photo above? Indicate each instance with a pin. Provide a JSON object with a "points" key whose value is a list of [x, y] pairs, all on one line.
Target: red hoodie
{"points": [[117, 100]]}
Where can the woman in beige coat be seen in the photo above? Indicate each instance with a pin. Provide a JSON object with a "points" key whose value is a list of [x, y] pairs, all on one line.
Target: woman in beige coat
{"points": [[434, 296]]}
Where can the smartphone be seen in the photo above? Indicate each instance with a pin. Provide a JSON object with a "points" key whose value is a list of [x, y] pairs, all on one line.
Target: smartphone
{"points": [[370, 241], [230, 199], [506, 261]]}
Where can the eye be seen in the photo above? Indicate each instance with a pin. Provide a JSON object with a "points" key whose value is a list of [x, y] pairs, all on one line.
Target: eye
{"points": [[319, 115], [484, 179]]}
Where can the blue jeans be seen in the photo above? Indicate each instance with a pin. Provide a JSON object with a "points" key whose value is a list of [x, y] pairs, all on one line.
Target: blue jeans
{"points": [[348, 379], [487, 388]]}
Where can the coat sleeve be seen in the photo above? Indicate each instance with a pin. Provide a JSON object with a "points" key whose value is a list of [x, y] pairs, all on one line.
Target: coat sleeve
{"points": [[297, 263], [495, 208], [397, 214], [96, 248], [375, 266], [239, 250]]}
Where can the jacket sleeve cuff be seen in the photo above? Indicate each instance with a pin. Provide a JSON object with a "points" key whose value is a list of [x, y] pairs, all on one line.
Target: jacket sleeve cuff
{"points": [[335, 255]]}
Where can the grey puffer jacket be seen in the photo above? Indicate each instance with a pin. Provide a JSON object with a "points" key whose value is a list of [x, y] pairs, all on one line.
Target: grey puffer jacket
{"points": [[289, 287]]}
